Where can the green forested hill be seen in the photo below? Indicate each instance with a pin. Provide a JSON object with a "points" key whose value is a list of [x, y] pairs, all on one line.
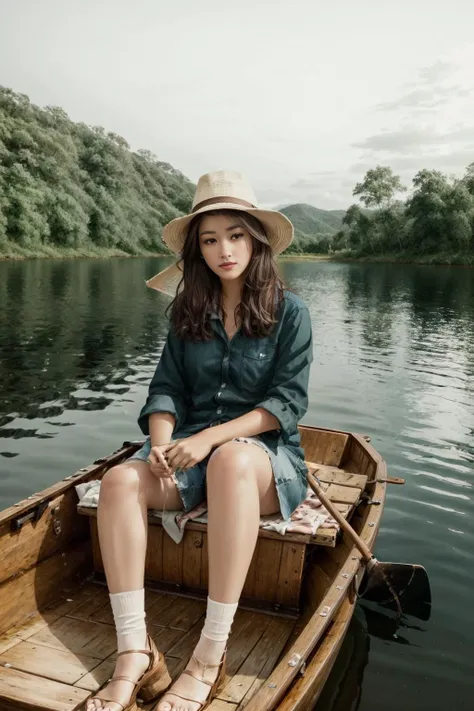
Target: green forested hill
{"points": [[65, 185], [71, 189], [310, 221]]}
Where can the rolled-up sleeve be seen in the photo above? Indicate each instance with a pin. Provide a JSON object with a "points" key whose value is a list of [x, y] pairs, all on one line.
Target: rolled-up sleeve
{"points": [[167, 391], [287, 397]]}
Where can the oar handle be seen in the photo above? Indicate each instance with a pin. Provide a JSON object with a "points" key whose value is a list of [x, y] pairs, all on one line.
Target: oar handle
{"points": [[364, 549]]}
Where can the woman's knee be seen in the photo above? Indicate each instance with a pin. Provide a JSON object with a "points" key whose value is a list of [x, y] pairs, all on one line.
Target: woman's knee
{"points": [[119, 481], [233, 460]]}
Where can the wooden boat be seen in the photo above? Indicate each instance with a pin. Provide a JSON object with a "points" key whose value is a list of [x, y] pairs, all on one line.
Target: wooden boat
{"points": [[57, 640]]}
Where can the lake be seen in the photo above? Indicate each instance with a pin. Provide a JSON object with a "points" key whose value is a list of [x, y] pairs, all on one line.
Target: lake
{"points": [[393, 358]]}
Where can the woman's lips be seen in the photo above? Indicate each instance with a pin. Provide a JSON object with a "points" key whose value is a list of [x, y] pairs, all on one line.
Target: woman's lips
{"points": [[228, 266]]}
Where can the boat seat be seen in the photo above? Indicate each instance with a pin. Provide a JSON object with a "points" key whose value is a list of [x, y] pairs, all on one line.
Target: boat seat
{"points": [[275, 575]]}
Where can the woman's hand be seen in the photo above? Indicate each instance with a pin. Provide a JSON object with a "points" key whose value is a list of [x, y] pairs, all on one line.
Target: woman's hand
{"points": [[158, 465], [185, 453]]}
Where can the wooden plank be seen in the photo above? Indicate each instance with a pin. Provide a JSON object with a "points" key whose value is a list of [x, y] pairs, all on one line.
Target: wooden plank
{"points": [[23, 595], [307, 688], [8, 640], [268, 556], [97, 677], [183, 614], [248, 590], [96, 554], [192, 556], [20, 690], [164, 637], [185, 646], [57, 528], [192, 612], [326, 537], [343, 494], [35, 622], [56, 664], [159, 608], [102, 614], [92, 639], [324, 446], [247, 631], [335, 448], [338, 476], [72, 596], [260, 661], [205, 562], [153, 522], [172, 561], [154, 553], [291, 573], [219, 705], [92, 607]]}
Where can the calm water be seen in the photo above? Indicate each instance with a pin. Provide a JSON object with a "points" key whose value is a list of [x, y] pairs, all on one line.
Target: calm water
{"points": [[394, 358]]}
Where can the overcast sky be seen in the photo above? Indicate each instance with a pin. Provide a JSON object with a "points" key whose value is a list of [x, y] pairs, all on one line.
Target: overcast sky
{"points": [[303, 96]]}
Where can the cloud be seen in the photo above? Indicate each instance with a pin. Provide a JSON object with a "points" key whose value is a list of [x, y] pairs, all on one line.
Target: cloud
{"points": [[433, 73], [406, 166], [411, 138], [429, 98]]}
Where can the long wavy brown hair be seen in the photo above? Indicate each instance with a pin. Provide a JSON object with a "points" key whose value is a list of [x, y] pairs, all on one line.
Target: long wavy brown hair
{"points": [[199, 292]]}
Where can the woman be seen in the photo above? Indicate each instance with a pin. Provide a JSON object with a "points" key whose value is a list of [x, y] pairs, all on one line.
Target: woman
{"points": [[221, 418]]}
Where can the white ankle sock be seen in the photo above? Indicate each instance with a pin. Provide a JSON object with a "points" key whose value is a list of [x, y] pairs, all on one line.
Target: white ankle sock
{"points": [[216, 630], [129, 615]]}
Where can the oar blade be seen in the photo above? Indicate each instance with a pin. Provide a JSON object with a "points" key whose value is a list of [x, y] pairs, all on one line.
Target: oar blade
{"points": [[408, 581]]}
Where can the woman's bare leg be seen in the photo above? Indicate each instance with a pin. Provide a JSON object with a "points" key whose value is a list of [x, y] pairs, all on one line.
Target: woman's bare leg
{"points": [[126, 492], [240, 488]]}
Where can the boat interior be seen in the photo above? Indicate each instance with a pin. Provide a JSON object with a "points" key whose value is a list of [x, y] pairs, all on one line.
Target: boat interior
{"points": [[57, 639]]}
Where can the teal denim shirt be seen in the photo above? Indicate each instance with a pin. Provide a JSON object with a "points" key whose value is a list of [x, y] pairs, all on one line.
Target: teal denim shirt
{"points": [[206, 383]]}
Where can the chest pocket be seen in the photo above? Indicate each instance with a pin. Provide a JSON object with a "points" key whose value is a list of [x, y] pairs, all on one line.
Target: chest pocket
{"points": [[257, 366]]}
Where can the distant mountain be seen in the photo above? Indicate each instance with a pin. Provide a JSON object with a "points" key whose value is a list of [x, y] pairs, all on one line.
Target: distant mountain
{"points": [[310, 221]]}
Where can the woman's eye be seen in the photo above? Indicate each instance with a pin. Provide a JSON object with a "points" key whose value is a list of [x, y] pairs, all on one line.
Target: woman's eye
{"points": [[238, 235], [209, 241]]}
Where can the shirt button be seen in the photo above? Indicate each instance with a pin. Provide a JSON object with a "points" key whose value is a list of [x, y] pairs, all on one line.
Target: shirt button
{"points": [[219, 410], [219, 394], [223, 385]]}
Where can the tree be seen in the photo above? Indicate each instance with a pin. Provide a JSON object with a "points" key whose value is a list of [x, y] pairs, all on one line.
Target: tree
{"points": [[379, 187]]}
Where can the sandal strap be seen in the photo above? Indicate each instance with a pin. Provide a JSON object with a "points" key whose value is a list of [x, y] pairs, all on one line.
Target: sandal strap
{"points": [[112, 701], [148, 651], [209, 666], [123, 678], [186, 698], [136, 651], [198, 678]]}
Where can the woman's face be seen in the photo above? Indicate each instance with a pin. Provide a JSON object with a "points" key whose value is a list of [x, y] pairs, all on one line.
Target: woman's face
{"points": [[225, 246]]}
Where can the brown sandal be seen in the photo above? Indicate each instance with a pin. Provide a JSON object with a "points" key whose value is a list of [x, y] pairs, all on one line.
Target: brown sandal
{"points": [[215, 686], [151, 684]]}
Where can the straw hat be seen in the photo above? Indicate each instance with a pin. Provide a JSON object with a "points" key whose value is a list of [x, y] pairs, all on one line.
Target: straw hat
{"points": [[225, 189]]}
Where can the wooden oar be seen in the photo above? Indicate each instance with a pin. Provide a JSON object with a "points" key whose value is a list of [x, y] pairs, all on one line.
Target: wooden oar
{"points": [[404, 585]]}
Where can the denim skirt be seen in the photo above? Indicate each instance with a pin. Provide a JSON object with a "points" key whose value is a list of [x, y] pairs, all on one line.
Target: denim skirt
{"points": [[291, 484]]}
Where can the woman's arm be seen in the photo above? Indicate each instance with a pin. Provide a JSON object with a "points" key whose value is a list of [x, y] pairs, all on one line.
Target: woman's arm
{"points": [[248, 425], [161, 426], [167, 393]]}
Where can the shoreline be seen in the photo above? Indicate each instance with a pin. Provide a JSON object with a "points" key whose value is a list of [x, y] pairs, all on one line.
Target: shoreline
{"points": [[447, 260]]}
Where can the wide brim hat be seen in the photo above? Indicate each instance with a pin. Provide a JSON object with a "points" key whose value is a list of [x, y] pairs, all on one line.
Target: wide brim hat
{"points": [[228, 190]]}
